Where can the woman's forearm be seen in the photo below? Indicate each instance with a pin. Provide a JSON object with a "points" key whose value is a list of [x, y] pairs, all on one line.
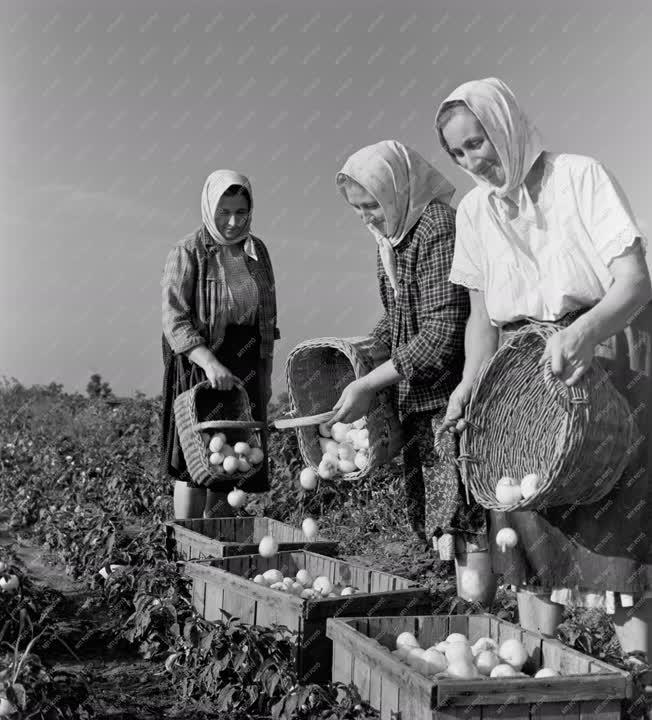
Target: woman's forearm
{"points": [[200, 355], [480, 343], [382, 376], [616, 309]]}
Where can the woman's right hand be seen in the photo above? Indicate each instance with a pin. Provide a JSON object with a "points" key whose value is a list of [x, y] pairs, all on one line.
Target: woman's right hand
{"points": [[457, 402], [218, 376]]}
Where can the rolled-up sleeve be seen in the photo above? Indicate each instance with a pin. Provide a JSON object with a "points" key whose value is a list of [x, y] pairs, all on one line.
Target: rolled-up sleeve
{"points": [[442, 311], [178, 284]]}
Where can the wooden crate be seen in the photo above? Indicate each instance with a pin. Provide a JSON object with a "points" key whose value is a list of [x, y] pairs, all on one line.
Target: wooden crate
{"points": [[226, 536], [224, 584], [588, 689]]}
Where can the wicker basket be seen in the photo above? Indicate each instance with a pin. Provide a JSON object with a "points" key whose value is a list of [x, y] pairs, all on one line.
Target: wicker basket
{"points": [[317, 371], [194, 412], [522, 419]]}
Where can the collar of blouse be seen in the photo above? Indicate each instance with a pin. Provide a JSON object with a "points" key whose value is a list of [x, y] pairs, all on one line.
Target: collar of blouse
{"points": [[212, 247]]}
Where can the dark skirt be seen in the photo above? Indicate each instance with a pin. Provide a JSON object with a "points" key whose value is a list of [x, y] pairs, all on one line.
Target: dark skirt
{"points": [[604, 545], [433, 486], [240, 353]]}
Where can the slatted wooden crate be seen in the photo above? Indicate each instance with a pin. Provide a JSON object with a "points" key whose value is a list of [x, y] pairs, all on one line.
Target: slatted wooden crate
{"points": [[226, 536], [224, 584], [587, 690]]}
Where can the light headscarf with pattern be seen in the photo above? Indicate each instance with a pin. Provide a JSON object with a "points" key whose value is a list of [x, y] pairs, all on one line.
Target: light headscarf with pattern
{"points": [[517, 141], [214, 187], [403, 183]]}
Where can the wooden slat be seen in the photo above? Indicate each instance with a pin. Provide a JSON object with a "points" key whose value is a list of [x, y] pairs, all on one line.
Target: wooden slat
{"points": [[508, 710], [457, 713], [260, 526], [385, 630], [239, 530], [217, 576], [239, 605], [416, 705], [522, 690], [390, 698], [495, 624], [210, 537], [602, 710], [479, 627], [382, 582], [238, 565], [284, 533], [509, 631], [574, 663], [598, 667], [342, 669], [315, 652], [458, 624], [415, 689], [360, 578], [391, 603], [551, 652], [431, 629], [215, 601], [362, 677], [199, 595], [195, 525], [375, 690], [554, 711], [532, 642]]}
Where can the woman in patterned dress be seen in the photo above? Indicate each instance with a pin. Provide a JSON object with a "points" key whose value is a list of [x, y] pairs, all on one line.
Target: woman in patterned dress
{"points": [[550, 238], [219, 323], [403, 202]]}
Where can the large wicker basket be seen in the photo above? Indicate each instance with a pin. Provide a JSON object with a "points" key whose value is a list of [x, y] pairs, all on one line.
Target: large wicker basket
{"points": [[317, 371], [522, 419], [196, 412]]}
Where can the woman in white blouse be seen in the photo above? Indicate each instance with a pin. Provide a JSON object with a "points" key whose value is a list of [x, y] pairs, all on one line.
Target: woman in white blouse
{"points": [[550, 237]]}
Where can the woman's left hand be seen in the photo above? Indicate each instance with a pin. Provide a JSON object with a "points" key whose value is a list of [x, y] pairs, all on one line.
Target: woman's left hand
{"points": [[570, 353], [354, 402]]}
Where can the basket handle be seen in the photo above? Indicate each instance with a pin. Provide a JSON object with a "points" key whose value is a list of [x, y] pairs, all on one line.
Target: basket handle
{"points": [[447, 456], [292, 421], [564, 395], [443, 452], [230, 425]]}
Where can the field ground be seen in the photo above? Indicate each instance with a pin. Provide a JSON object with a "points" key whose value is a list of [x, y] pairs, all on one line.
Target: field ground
{"points": [[80, 488]]}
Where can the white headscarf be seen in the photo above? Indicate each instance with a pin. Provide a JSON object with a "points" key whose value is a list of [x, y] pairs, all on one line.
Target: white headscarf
{"points": [[403, 183], [517, 141], [214, 187]]}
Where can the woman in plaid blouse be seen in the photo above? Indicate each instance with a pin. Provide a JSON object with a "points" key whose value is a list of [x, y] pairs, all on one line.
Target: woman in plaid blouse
{"points": [[219, 323], [403, 202]]}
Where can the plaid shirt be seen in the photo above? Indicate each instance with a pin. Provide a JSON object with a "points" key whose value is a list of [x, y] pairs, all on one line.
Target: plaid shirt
{"points": [[423, 327], [188, 281]]}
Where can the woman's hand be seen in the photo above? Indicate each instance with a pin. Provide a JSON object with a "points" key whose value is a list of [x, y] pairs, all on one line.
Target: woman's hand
{"points": [[354, 402], [570, 353], [218, 376], [457, 402]]}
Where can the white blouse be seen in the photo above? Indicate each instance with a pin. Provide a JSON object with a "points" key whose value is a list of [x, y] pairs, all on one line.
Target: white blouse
{"points": [[559, 262]]}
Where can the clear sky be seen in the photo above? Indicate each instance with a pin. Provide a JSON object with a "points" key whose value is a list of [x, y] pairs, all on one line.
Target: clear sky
{"points": [[113, 113]]}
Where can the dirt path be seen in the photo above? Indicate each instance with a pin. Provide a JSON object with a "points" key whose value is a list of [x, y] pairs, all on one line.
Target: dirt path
{"points": [[122, 686]]}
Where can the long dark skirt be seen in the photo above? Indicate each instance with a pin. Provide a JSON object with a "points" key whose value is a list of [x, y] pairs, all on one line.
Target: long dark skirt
{"points": [[240, 353], [604, 545]]}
